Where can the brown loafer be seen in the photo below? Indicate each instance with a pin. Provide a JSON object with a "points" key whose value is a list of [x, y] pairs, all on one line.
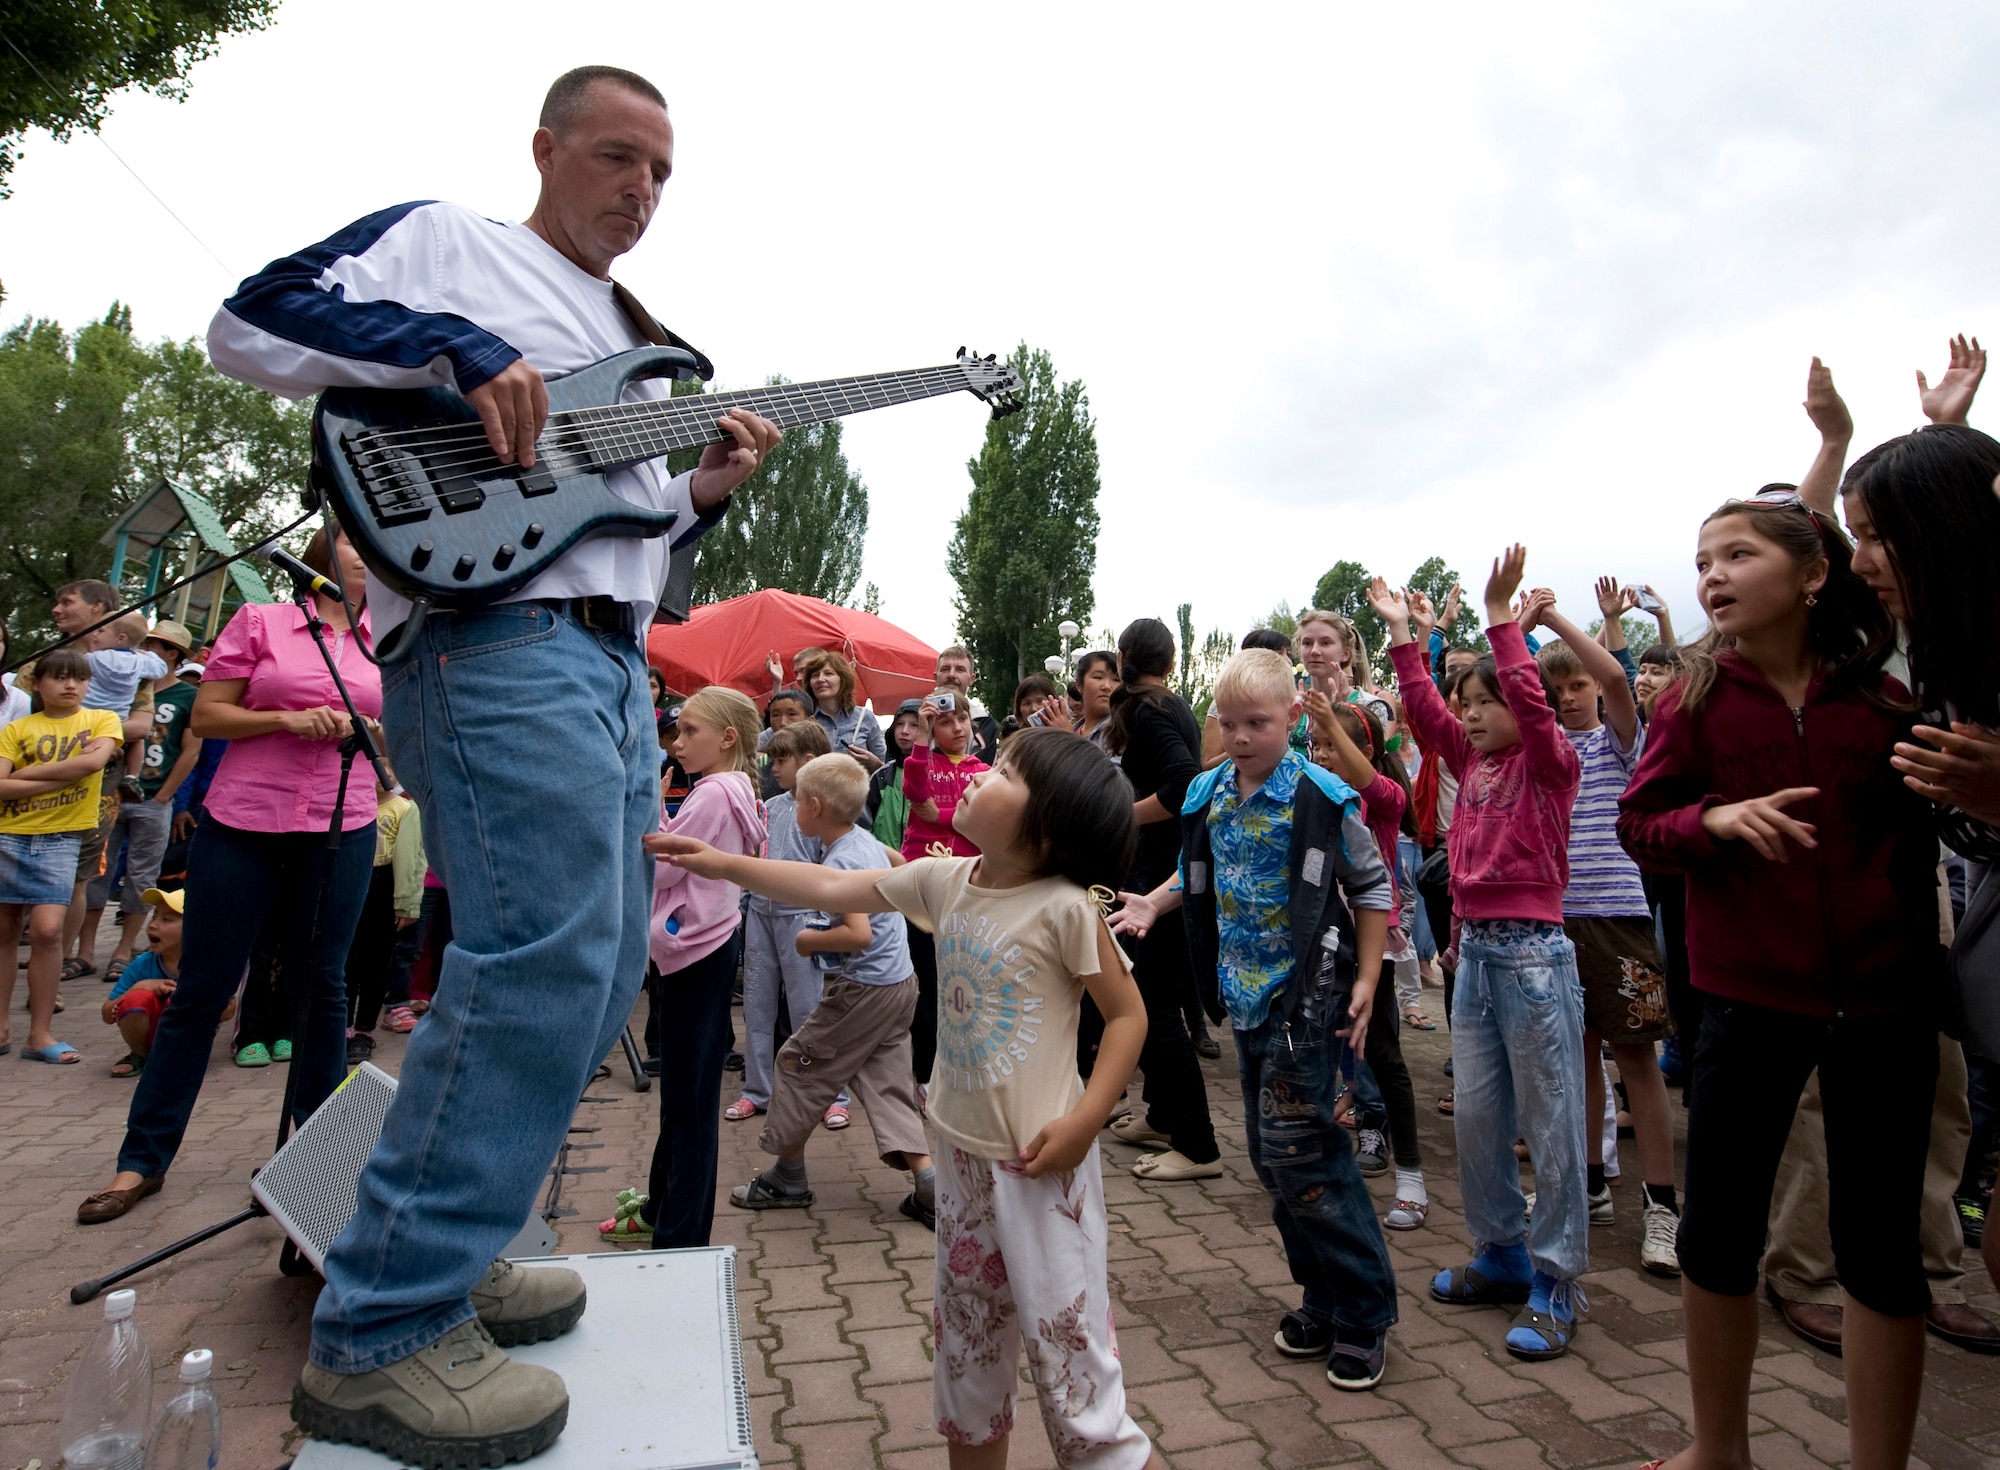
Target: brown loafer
{"points": [[1963, 1327], [1817, 1324], [109, 1204]]}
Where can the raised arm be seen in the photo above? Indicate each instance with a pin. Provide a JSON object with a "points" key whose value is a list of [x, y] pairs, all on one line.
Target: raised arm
{"points": [[1343, 756], [802, 885], [1422, 703], [1829, 415], [1550, 758], [1951, 399]]}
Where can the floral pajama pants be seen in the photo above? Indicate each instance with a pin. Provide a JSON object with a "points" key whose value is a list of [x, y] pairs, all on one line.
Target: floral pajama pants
{"points": [[1020, 1264]]}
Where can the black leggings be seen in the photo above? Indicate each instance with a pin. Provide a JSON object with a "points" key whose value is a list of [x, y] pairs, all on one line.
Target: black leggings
{"points": [[1383, 1052], [923, 1025], [1176, 1096], [1877, 1081], [681, 1185]]}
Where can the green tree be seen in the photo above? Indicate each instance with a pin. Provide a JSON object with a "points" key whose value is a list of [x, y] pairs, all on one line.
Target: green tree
{"points": [[1282, 619], [64, 61], [1641, 632], [1344, 589], [1026, 545], [1435, 580], [797, 524], [90, 421]]}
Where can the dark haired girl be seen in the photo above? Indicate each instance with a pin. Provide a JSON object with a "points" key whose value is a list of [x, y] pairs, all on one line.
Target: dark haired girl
{"points": [[1766, 781], [1153, 735]]}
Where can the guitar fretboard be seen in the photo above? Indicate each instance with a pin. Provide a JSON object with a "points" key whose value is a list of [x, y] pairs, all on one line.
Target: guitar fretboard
{"points": [[625, 433]]}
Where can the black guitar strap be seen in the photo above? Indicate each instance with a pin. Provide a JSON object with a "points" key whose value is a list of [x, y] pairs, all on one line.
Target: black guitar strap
{"points": [[651, 328]]}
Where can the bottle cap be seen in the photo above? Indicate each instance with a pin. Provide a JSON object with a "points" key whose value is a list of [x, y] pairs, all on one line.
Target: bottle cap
{"points": [[118, 1306], [195, 1365]]}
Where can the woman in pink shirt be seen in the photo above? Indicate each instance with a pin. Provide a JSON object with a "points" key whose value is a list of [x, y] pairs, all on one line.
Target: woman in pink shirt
{"points": [[261, 849]]}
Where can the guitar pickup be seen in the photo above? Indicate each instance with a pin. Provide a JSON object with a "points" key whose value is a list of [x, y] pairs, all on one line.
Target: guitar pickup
{"points": [[458, 496]]}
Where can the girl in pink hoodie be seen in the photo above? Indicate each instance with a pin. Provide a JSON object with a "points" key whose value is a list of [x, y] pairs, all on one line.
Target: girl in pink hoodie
{"points": [[692, 945], [1517, 1014]]}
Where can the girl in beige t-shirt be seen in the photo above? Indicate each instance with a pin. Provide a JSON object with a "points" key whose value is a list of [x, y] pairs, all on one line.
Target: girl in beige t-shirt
{"points": [[1020, 1201]]}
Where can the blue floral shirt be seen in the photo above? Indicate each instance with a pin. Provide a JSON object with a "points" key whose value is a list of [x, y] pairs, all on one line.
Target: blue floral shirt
{"points": [[1252, 845]]}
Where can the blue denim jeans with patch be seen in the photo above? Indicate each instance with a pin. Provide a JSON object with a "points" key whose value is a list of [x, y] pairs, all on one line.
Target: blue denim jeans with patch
{"points": [[1517, 1037], [1319, 1201], [528, 743]]}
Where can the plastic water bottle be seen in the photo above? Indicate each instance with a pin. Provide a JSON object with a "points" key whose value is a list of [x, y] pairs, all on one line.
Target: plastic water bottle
{"points": [[189, 1434], [109, 1401]]}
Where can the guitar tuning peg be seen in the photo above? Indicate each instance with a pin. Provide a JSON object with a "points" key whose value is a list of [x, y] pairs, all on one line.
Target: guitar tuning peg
{"points": [[961, 352], [989, 359]]}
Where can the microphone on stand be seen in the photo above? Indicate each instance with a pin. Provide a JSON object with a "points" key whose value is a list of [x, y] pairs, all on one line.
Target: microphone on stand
{"points": [[304, 578]]}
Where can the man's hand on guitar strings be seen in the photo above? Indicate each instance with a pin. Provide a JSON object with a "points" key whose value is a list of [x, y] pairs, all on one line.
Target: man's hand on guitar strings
{"points": [[513, 406], [727, 463]]}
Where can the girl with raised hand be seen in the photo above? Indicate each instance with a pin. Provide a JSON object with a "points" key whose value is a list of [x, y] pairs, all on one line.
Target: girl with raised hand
{"points": [[1021, 1229], [1812, 930], [1517, 1013]]}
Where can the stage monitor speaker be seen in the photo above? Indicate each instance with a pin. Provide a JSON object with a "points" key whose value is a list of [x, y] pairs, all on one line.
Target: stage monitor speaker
{"points": [[309, 1185]]}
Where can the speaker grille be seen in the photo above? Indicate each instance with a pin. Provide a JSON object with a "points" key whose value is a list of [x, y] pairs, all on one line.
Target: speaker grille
{"points": [[309, 1184]]}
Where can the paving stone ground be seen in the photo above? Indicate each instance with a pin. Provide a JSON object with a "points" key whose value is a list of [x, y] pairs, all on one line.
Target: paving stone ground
{"points": [[836, 1303]]}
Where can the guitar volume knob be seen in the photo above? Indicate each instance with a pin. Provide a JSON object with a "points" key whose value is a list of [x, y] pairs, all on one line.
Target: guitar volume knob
{"points": [[503, 556], [421, 557], [465, 567], [533, 535]]}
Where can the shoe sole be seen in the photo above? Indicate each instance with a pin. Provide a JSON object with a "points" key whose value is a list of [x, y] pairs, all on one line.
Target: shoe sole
{"points": [[1670, 1272], [1358, 1385], [1278, 1341], [374, 1429], [538, 1329], [1375, 1173]]}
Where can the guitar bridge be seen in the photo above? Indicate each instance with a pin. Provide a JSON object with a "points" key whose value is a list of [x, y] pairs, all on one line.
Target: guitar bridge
{"points": [[393, 481]]}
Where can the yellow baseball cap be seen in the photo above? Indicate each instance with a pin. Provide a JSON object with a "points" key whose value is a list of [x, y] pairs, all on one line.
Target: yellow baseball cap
{"points": [[173, 898]]}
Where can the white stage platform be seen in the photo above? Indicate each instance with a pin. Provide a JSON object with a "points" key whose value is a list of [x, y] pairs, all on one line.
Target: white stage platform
{"points": [[655, 1370]]}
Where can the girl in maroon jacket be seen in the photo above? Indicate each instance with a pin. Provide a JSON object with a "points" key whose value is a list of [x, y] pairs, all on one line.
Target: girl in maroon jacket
{"points": [[1812, 929]]}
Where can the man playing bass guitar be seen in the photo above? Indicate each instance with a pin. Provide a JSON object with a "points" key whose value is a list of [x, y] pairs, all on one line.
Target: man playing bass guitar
{"points": [[524, 731]]}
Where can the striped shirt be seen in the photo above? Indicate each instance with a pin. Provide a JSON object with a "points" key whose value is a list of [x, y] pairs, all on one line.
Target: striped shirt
{"points": [[1603, 881]]}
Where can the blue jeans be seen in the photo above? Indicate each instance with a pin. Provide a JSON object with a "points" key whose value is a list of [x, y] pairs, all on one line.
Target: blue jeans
{"points": [[528, 743], [235, 879], [1321, 1205], [1517, 1037]]}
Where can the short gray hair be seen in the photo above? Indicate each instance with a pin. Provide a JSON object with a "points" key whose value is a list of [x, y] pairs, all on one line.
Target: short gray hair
{"points": [[564, 103]]}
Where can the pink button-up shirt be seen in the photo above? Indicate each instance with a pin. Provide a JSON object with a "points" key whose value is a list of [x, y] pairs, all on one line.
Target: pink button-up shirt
{"points": [[282, 782]]}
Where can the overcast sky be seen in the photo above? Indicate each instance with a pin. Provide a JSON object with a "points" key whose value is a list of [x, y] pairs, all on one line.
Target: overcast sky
{"points": [[1373, 286]]}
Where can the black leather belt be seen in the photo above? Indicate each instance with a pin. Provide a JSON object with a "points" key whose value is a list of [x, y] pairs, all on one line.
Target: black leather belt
{"points": [[599, 614]]}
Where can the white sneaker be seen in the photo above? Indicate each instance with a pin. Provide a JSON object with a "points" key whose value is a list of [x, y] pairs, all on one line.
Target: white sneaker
{"points": [[1602, 1211], [1657, 1252]]}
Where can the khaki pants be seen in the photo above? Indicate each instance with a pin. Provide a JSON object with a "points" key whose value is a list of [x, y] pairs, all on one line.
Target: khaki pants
{"points": [[1798, 1262], [857, 1037]]}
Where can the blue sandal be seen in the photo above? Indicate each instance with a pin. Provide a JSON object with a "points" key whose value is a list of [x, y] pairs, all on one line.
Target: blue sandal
{"points": [[56, 1054]]}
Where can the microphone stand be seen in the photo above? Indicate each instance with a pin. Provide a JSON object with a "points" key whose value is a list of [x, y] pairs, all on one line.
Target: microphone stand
{"points": [[360, 740]]}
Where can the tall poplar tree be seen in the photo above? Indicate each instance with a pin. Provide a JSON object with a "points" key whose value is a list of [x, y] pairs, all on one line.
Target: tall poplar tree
{"points": [[1026, 545]]}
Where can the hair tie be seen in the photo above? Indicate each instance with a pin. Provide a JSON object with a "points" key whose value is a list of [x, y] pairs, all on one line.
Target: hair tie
{"points": [[1129, 674]]}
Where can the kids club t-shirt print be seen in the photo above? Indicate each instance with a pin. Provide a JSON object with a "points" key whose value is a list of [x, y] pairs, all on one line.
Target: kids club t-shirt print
{"points": [[1009, 964]]}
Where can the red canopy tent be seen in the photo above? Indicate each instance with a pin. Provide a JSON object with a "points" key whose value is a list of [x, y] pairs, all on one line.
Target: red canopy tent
{"points": [[728, 642]]}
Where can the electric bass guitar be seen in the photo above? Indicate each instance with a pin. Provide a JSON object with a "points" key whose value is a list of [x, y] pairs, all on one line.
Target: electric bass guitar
{"points": [[438, 518]]}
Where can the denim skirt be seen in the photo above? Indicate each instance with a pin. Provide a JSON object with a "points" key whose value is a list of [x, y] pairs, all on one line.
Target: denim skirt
{"points": [[38, 867]]}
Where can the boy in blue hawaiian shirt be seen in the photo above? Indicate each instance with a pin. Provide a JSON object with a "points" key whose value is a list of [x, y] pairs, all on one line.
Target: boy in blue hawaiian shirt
{"points": [[1294, 967]]}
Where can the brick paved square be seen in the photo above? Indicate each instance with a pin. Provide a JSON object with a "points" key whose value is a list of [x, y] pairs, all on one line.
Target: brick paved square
{"points": [[836, 1303]]}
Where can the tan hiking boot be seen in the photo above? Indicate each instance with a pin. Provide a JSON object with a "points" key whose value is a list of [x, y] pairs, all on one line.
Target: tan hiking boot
{"points": [[459, 1404], [523, 1304]]}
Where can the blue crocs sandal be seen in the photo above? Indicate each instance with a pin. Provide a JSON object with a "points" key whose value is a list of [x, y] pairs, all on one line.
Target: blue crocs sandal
{"points": [[56, 1054], [1543, 1330]]}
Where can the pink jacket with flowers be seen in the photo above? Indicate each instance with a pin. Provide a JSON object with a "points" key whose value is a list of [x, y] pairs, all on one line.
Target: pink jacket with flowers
{"points": [[693, 917], [1509, 839]]}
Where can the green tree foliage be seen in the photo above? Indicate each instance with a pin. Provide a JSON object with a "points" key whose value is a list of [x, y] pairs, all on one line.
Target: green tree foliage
{"points": [[1200, 661], [91, 421], [66, 58], [1641, 632], [798, 524], [1435, 580], [1026, 544], [1282, 620], [1344, 589]]}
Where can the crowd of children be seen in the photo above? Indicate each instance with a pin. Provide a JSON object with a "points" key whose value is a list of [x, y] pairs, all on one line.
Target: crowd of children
{"points": [[1717, 862]]}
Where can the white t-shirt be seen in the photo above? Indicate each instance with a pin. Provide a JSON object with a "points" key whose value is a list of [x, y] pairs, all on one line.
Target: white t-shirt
{"points": [[1009, 964], [295, 329]]}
